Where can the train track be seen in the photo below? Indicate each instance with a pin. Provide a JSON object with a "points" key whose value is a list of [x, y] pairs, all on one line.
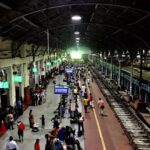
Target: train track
{"points": [[137, 132]]}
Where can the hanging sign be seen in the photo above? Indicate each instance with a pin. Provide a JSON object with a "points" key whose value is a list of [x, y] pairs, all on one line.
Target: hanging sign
{"points": [[18, 78], [34, 70], [69, 71], [48, 63], [60, 89], [4, 85]]}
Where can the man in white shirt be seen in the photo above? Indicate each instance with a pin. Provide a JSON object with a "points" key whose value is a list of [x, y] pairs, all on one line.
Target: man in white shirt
{"points": [[11, 145], [83, 89]]}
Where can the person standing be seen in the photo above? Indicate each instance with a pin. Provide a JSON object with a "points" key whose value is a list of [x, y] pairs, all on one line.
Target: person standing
{"points": [[31, 119], [11, 145], [21, 128], [43, 121], [100, 104], [10, 120], [83, 89], [80, 124], [37, 144]]}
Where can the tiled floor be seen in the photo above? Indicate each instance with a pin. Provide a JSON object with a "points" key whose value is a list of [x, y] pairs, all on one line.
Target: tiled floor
{"points": [[47, 109]]}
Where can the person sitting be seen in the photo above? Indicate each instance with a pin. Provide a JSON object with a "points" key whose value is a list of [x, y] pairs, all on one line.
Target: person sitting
{"points": [[70, 138], [61, 134]]}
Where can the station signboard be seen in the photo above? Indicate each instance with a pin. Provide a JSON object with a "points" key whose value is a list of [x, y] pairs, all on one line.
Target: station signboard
{"points": [[59, 89], [69, 71], [17, 78], [34, 70], [4, 85], [48, 63]]}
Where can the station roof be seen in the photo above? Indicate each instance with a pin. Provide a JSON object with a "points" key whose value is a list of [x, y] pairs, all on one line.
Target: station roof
{"points": [[105, 24]]}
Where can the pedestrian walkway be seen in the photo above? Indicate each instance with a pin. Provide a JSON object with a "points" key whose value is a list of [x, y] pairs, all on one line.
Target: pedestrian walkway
{"points": [[47, 109], [103, 132]]}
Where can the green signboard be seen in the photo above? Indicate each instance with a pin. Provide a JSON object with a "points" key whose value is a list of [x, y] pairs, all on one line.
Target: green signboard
{"points": [[4, 85], [18, 79], [48, 63], [34, 70]]}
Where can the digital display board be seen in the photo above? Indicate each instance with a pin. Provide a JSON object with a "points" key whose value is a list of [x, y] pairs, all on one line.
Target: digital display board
{"points": [[17, 78], [60, 89], [4, 85], [69, 71]]}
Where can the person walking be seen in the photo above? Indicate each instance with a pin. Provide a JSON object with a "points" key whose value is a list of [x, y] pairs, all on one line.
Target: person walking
{"points": [[11, 145], [91, 100], [37, 145], [21, 128], [85, 103], [31, 119], [100, 104]]}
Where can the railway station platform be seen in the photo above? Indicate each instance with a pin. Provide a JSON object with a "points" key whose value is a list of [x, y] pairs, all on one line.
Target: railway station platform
{"points": [[100, 132]]}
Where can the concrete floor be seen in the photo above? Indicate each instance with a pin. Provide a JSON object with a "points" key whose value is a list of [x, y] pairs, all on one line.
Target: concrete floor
{"points": [[47, 109]]}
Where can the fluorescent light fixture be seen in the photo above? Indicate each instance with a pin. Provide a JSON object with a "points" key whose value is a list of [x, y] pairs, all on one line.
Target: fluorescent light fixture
{"points": [[76, 33], [76, 17], [77, 41], [76, 55], [77, 38]]}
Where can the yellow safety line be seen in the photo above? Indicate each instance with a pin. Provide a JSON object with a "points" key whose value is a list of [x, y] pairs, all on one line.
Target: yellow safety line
{"points": [[98, 126], [99, 130]]}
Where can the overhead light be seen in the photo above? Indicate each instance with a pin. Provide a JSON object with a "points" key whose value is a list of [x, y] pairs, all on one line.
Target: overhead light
{"points": [[77, 38], [76, 18], [77, 41], [76, 33]]}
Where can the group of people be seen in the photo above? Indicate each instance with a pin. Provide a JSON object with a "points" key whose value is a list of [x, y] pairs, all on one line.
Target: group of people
{"points": [[38, 97], [88, 100], [11, 144], [60, 137]]}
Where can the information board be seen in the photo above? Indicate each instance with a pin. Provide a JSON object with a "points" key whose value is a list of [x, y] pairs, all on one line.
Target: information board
{"points": [[17, 78], [48, 63], [60, 89], [4, 85], [34, 70], [69, 71]]}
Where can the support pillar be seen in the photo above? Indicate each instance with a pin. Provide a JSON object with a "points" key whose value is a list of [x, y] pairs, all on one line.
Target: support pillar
{"points": [[119, 74], [111, 69], [131, 77], [22, 84], [12, 92]]}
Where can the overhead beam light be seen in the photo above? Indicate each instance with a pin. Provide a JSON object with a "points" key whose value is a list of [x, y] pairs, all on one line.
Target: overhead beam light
{"points": [[76, 33], [77, 38], [76, 18]]}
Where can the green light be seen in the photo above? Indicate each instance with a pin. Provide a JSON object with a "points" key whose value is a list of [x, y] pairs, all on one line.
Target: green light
{"points": [[4, 85], [55, 61], [76, 55], [17, 78], [48, 63], [34, 70]]}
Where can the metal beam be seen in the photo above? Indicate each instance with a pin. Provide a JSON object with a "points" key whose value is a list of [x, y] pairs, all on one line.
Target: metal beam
{"points": [[110, 26], [5, 6], [30, 22], [139, 20], [81, 4]]}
